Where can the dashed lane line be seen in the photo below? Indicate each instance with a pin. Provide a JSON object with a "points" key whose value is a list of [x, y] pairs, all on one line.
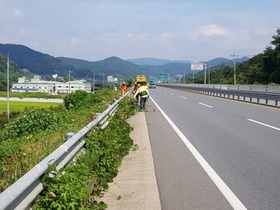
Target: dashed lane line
{"points": [[205, 105], [270, 126]]}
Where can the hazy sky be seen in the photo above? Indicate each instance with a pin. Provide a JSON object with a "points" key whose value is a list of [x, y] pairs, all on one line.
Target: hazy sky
{"points": [[92, 30]]}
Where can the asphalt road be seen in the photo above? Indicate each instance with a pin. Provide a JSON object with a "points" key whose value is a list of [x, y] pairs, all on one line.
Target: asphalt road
{"points": [[219, 154]]}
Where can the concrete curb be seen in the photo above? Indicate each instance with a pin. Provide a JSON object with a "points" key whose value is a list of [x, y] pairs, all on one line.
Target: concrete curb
{"points": [[135, 186]]}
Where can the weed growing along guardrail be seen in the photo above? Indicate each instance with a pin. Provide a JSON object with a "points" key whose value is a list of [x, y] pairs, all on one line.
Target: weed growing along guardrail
{"points": [[77, 186], [21, 148]]}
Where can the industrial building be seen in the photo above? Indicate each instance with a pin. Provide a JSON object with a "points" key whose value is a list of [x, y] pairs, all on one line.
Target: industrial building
{"points": [[38, 85]]}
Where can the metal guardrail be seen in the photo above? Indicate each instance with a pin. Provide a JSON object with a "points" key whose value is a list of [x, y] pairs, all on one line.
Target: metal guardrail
{"points": [[23, 192], [262, 94]]}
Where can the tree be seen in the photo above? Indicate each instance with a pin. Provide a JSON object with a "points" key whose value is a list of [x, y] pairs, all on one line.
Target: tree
{"points": [[276, 40], [271, 60]]}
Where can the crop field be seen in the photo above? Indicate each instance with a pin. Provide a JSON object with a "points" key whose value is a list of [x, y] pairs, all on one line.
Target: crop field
{"points": [[20, 106]]}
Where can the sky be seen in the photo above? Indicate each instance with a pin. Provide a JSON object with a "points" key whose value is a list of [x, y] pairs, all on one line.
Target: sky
{"points": [[92, 30]]}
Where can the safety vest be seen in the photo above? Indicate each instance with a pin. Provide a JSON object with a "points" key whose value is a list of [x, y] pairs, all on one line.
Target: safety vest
{"points": [[143, 92]]}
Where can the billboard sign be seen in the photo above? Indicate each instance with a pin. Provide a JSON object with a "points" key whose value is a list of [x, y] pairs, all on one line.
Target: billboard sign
{"points": [[197, 66]]}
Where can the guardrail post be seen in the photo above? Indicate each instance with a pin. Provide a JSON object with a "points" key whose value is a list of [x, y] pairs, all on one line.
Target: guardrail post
{"points": [[68, 136], [250, 91]]}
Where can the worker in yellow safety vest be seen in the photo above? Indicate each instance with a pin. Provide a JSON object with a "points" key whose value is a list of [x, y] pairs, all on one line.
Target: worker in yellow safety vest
{"points": [[144, 94]]}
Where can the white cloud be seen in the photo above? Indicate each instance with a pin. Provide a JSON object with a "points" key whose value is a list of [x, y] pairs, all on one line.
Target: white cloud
{"points": [[135, 37], [13, 14], [74, 41], [17, 14], [166, 36], [211, 30]]}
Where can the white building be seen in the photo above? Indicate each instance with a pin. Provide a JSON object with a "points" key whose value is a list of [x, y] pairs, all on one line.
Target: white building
{"points": [[72, 86], [38, 85], [112, 79]]}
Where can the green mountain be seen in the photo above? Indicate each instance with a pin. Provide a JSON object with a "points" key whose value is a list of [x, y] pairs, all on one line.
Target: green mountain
{"points": [[123, 69], [35, 62], [110, 66], [47, 65], [154, 61], [14, 73]]}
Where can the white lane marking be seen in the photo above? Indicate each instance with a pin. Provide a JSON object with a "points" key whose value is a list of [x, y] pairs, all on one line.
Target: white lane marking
{"points": [[270, 126], [225, 190], [183, 97], [205, 105], [172, 94]]}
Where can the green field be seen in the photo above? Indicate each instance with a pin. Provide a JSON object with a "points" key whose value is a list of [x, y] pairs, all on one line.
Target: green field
{"points": [[20, 106], [30, 95]]}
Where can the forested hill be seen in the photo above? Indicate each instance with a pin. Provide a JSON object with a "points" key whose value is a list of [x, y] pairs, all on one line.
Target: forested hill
{"points": [[110, 66], [14, 72], [36, 62], [47, 65]]}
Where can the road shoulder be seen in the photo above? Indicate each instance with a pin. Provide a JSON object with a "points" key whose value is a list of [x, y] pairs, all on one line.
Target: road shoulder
{"points": [[135, 186]]}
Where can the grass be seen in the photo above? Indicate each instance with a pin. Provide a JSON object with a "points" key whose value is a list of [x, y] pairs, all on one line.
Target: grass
{"points": [[30, 95], [20, 106], [19, 155]]}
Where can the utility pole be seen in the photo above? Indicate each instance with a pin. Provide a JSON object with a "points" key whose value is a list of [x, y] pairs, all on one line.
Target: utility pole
{"points": [[205, 68], [234, 69], [93, 80], [209, 69], [69, 82], [8, 88]]}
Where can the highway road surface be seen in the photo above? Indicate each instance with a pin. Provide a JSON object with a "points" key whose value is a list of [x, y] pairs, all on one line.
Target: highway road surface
{"points": [[214, 153]]}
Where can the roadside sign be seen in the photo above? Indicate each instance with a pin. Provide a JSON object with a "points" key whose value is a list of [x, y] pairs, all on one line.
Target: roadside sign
{"points": [[197, 66], [164, 76]]}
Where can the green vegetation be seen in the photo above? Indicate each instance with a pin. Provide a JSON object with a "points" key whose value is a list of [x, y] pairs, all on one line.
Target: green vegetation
{"points": [[20, 106], [17, 107], [80, 100], [77, 186], [14, 73], [30, 95], [35, 133]]}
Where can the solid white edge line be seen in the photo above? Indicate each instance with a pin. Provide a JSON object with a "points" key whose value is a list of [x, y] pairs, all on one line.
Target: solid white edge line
{"points": [[205, 105], [225, 190], [270, 126]]}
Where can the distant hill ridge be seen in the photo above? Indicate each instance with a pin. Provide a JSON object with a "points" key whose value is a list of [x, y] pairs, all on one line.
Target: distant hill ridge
{"points": [[47, 65], [155, 61]]}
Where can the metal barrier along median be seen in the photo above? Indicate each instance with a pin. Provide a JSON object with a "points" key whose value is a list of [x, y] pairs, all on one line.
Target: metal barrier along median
{"points": [[23, 192], [233, 92]]}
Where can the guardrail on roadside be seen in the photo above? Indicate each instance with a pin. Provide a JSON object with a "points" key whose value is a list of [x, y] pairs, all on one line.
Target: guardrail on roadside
{"points": [[255, 94], [23, 192]]}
